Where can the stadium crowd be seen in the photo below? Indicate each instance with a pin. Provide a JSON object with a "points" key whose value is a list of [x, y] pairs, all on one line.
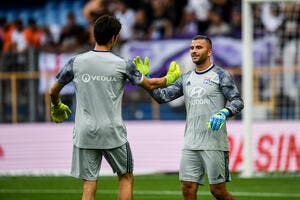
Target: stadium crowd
{"points": [[143, 20], [147, 20]]}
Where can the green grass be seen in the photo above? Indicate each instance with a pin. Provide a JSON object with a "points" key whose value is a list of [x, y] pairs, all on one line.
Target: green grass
{"points": [[275, 186]]}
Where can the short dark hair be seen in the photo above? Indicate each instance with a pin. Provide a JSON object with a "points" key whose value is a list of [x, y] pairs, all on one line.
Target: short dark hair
{"points": [[105, 28], [203, 37]]}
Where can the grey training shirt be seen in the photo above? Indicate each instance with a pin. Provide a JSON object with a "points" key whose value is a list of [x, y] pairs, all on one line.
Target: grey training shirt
{"points": [[205, 93], [99, 78]]}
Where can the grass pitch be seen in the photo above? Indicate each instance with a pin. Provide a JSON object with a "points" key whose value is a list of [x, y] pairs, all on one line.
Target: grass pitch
{"points": [[275, 186]]}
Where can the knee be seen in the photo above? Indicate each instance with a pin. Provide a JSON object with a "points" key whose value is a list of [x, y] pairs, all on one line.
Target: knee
{"points": [[128, 177], [189, 188], [217, 193], [220, 193], [89, 187]]}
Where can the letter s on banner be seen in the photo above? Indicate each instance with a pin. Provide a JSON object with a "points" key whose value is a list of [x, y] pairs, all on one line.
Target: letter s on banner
{"points": [[264, 158]]}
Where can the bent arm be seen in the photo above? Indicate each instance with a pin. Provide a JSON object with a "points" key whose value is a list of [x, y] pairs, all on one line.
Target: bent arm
{"points": [[65, 76], [232, 94], [54, 92]]}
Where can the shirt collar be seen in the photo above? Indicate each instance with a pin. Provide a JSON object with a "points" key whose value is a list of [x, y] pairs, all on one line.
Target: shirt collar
{"points": [[206, 70]]}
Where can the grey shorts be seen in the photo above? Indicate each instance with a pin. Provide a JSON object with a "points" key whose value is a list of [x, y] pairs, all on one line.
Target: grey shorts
{"points": [[86, 163], [195, 164]]}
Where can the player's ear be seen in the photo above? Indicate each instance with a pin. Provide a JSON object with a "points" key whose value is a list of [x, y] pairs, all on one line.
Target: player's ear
{"points": [[210, 52], [115, 39]]}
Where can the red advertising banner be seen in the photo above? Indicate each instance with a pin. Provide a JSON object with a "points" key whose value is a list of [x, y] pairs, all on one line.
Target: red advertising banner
{"points": [[156, 147], [275, 146]]}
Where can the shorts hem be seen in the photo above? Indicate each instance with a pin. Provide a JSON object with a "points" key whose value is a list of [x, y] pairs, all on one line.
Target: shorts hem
{"points": [[190, 180], [84, 178], [218, 181]]}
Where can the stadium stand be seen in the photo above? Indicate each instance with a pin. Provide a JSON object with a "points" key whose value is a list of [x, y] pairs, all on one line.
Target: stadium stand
{"points": [[157, 20]]}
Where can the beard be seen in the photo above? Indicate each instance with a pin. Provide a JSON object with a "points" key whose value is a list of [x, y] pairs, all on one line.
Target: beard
{"points": [[200, 60]]}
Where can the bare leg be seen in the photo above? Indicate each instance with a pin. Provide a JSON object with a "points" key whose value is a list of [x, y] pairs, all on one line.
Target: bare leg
{"points": [[189, 190], [220, 192], [89, 190], [126, 186]]}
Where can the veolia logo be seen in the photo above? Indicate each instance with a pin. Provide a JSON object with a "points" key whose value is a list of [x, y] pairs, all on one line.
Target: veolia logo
{"points": [[86, 78]]}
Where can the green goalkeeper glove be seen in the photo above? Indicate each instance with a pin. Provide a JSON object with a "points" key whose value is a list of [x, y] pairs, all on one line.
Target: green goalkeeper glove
{"points": [[60, 112], [142, 67], [173, 73], [217, 121]]}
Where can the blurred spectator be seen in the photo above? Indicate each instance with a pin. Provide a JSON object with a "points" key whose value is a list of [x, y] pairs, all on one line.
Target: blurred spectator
{"points": [[290, 42], [224, 7], [236, 23], [6, 32], [73, 36], [33, 34], [94, 9], [172, 13], [2, 21], [127, 19], [7, 61], [161, 26], [140, 27], [217, 24], [188, 26], [258, 26], [48, 42], [91, 11], [271, 16], [1, 43], [290, 26], [201, 9], [18, 47], [146, 6], [19, 43]]}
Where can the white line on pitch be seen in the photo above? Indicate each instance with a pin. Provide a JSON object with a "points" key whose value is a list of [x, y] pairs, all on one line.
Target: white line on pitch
{"points": [[149, 192]]}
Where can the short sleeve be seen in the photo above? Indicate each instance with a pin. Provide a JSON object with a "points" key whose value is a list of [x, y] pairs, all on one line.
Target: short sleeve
{"points": [[66, 74]]}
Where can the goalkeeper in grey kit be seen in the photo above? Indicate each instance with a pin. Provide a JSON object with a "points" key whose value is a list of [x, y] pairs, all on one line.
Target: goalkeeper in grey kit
{"points": [[99, 77], [210, 96]]}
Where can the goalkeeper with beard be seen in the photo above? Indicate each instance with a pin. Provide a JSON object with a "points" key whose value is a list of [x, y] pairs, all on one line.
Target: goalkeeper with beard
{"points": [[210, 97]]}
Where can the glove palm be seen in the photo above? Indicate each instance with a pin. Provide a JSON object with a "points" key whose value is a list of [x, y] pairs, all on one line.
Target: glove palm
{"points": [[143, 67], [60, 112], [217, 121], [173, 73]]}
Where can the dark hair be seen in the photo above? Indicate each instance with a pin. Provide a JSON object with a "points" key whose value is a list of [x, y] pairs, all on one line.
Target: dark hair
{"points": [[203, 37], [105, 28]]}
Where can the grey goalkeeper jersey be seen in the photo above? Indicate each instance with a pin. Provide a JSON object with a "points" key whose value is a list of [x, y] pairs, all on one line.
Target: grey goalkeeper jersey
{"points": [[99, 78], [205, 93]]}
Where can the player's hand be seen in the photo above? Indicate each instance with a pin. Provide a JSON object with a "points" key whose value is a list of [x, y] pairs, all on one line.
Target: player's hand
{"points": [[217, 121], [60, 112], [143, 67], [173, 73]]}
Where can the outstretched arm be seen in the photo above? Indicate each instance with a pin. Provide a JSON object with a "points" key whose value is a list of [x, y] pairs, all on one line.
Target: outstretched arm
{"points": [[169, 93], [152, 83]]}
